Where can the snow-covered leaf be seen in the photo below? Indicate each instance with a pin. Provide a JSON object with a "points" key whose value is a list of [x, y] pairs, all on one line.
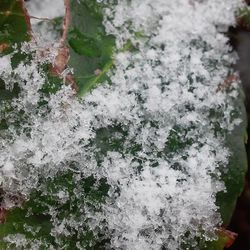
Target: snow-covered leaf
{"points": [[152, 158]]}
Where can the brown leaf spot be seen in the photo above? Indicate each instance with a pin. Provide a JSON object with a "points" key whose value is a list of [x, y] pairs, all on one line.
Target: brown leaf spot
{"points": [[60, 64], [231, 236], [3, 47], [227, 83], [71, 81], [3, 215], [98, 72], [61, 61]]}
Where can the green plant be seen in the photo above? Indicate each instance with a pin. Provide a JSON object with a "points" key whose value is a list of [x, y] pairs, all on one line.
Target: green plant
{"points": [[135, 140]]}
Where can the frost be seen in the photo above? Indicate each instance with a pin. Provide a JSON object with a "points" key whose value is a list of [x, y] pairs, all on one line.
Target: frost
{"points": [[5, 65], [5, 69], [46, 30], [46, 8], [150, 134]]}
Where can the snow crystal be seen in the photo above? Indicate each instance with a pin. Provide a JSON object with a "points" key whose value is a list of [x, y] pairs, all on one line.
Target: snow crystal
{"points": [[157, 113], [46, 8], [45, 30]]}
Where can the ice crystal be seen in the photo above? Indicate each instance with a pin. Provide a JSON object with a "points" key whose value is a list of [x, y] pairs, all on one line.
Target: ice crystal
{"points": [[46, 19], [150, 134]]}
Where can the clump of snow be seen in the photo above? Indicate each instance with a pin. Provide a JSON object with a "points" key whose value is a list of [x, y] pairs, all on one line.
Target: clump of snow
{"points": [[45, 8], [157, 113], [43, 18]]}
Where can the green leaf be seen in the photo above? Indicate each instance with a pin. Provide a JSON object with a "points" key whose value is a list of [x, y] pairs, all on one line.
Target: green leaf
{"points": [[218, 244], [19, 222], [84, 45], [91, 48], [234, 174], [14, 23], [244, 17], [34, 223], [14, 29]]}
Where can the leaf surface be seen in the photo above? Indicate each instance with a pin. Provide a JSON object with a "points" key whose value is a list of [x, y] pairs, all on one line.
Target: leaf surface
{"points": [[91, 49]]}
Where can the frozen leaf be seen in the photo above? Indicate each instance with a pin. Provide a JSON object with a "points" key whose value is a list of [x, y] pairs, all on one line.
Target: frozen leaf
{"points": [[129, 165]]}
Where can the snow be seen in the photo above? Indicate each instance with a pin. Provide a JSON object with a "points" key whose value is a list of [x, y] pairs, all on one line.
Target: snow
{"points": [[46, 8], [44, 30], [5, 66], [160, 99]]}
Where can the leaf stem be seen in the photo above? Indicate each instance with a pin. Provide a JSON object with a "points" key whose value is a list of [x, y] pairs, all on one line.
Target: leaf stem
{"points": [[66, 22]]}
